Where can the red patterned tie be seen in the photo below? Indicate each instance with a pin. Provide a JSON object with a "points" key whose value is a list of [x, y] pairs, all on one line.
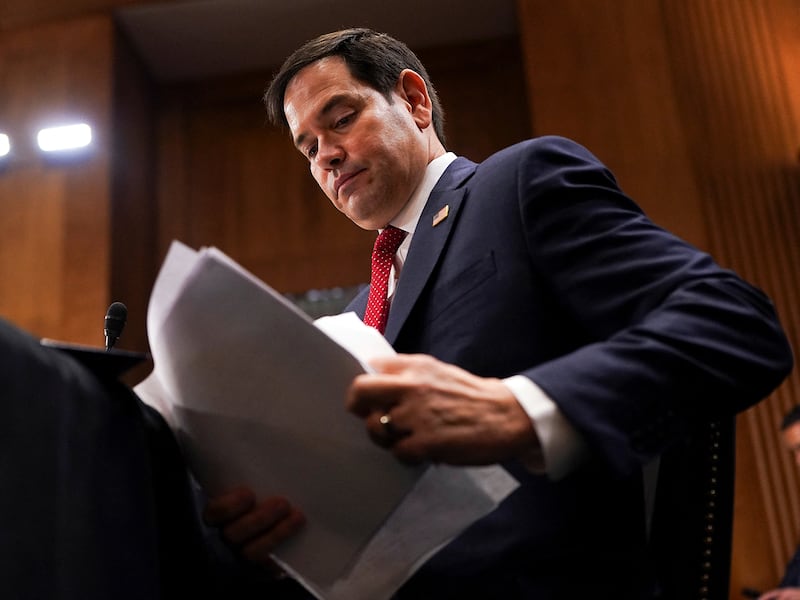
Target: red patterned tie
{"points": [[383, 253]]}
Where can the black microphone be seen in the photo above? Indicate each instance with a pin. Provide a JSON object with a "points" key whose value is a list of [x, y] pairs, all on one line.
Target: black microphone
{"points": [[116, 317]]}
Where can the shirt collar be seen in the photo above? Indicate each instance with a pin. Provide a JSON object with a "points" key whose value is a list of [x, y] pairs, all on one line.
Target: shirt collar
{"points": [[408, 218]]}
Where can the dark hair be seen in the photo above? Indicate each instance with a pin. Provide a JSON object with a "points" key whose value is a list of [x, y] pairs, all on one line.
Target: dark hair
{"points": [[373, 58], [791, 417]]}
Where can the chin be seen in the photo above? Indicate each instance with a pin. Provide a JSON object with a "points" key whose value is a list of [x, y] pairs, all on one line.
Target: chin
{"points": [[367, 224]]}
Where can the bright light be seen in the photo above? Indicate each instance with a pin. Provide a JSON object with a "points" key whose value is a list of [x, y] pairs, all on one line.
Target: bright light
{"points": [[5, 144], [67, 137]]}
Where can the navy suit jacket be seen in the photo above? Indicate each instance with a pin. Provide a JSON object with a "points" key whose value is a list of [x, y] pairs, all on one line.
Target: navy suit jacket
{"points": [[791, 576], [545, 268]]}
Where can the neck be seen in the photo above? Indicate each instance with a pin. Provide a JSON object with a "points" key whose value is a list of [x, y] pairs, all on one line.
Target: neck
{"points": [[435, 148]]}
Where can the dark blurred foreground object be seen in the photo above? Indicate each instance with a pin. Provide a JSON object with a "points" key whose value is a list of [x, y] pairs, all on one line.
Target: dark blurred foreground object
{"points": [[96, 502]]}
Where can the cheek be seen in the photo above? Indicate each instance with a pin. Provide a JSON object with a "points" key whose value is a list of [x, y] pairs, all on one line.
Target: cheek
{"points": [[325, 182], [390, 135], [321, 177], [405, 148]]}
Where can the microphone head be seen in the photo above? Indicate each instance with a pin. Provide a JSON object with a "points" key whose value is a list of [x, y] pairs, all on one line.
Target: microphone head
{"points": [[117, 310], [116, 317]]}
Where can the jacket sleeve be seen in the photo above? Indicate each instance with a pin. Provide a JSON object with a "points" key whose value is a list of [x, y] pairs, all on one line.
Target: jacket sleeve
{"points": [[676, 338]]}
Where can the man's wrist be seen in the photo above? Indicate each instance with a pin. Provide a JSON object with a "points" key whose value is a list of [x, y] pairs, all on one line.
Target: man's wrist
{"points": [[561, 447]]}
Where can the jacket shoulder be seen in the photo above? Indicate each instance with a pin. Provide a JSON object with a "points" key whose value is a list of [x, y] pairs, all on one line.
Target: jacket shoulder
{"points": [[548, 147]]}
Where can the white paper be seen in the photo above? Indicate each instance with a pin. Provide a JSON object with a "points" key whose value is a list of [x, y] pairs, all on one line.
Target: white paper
{"points": [[255, 394]]}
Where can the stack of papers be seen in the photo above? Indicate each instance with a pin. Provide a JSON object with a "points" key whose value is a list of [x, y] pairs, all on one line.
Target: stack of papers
{"points": [[254, 391]]}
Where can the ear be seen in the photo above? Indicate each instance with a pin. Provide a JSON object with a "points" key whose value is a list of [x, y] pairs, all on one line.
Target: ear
{"points": [[412, 89]]}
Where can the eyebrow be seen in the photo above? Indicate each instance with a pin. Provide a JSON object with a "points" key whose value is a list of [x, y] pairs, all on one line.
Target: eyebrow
{"points": [[332, 103]]}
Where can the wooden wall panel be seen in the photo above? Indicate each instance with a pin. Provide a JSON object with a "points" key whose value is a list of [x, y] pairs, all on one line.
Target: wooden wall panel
{"points": [[694, 104], [229, 180], [54, 215], [25, 13], [598, 73], [133, 251], [482, 87], [739, 106]]}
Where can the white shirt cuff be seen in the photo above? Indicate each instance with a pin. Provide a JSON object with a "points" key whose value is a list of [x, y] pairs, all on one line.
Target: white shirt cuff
{"points": [[562, 447]]}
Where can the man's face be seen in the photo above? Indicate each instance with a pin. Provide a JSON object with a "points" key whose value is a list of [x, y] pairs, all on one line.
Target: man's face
{"points": [[791, 439], [366, 153]]}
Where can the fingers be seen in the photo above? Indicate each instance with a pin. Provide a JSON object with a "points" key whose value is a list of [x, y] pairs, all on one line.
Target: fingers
{"points": [[228, 506], [384, 430], [265, 516], [254, 528], [782, 594], [372, 394], [260, 548], [394, 377], [425, 410], [399, 362]]}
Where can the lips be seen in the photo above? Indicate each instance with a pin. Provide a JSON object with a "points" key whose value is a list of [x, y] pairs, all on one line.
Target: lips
{"points": [[343, 179]]}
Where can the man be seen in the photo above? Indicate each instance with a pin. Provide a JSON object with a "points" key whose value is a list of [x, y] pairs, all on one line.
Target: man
{"points": [[789, 587], [541, 320]]}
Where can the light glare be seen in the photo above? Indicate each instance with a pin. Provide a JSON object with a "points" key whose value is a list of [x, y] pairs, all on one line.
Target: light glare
{"points": [[5, 144], [67, 137]]}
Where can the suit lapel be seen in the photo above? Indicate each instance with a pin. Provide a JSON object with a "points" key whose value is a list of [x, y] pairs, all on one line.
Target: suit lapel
{"points": [[435, 225]]}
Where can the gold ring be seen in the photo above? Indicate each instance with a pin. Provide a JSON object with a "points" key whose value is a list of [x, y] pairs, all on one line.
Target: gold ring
{"points": [[388, 426]]}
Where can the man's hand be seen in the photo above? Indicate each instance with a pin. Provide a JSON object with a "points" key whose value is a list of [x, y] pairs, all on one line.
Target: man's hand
{"points": [[424, 409], [253, 528], [781, 594]]}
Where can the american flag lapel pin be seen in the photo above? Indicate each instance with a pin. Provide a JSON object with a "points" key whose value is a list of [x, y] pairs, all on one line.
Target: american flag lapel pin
{"points": [[441, 215]]}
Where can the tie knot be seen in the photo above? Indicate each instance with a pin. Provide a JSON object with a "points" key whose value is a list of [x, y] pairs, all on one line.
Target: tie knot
{"points": [[389, 240]]}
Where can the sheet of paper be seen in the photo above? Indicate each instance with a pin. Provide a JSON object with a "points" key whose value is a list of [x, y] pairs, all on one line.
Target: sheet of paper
{"points": [[255, 393], [443, 502]]}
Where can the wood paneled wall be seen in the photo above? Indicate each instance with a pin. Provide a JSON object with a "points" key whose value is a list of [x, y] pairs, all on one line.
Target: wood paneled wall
{"points": [[228, 179], [134, 259], [54, 216], [598, 73], [742, 65], [695, 104], [15, 14]]}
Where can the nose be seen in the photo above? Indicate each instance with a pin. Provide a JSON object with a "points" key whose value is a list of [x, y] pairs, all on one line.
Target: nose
{"points": [[329, 154]]}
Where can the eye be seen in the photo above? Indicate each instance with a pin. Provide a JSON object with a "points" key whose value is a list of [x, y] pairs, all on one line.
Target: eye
{"points": [[344, 121], [311, 152]]}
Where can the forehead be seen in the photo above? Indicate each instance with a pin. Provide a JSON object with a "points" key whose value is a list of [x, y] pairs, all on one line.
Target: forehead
{"points": [[329, 68], [317, 82]]}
